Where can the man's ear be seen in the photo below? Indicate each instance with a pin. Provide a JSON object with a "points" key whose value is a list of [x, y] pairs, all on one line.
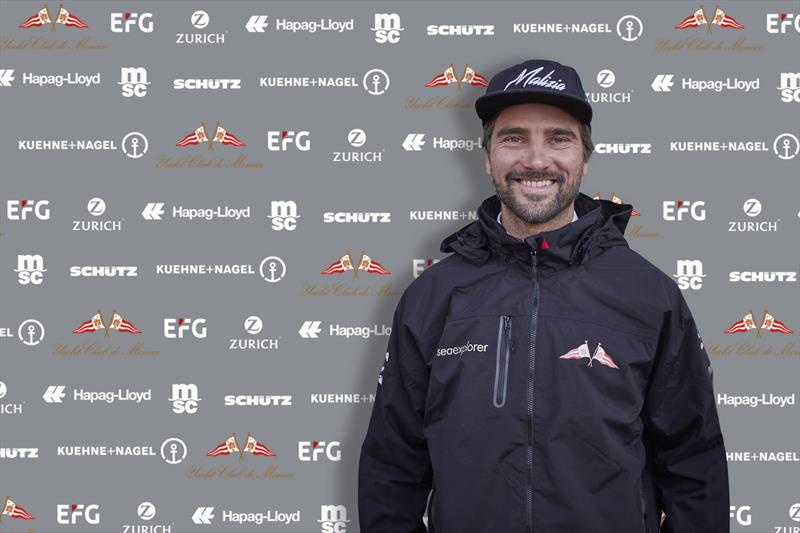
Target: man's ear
{"points": [[487, 165], [585, 166]]}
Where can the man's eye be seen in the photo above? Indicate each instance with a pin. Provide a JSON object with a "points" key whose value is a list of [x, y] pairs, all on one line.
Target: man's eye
{"points": [[561, 139], [513, 138]]}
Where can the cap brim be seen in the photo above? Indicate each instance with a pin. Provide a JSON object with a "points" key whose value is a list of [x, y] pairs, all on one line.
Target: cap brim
{"points": [[489, 105]]}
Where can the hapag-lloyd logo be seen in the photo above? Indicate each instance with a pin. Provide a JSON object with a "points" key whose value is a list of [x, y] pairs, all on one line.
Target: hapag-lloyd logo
{"points": [[530, 78]]}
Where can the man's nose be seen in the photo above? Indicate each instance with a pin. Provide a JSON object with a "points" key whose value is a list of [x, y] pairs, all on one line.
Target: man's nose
{"points": [[536, 157]]}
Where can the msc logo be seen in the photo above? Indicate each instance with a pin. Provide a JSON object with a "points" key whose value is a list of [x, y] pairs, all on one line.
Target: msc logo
{"points": [[70, 514], [312, 450], [174, 328], [780, 22], [30, 269], [690, 274], [133, 81], [280, 140], [387, 28], [184, 398], [123, 22], [283, 214], [20, 209], [333, 518], [674, 210], [790, 87]]}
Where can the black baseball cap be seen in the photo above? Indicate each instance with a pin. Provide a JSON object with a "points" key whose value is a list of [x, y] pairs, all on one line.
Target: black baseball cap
{"points": [[536, 81]]}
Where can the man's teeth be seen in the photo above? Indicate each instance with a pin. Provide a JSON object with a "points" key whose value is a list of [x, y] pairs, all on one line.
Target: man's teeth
{"points": [[542, 183]]}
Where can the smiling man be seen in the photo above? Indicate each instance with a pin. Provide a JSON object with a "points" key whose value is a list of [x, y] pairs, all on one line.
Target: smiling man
{"points": [[543, 377]]}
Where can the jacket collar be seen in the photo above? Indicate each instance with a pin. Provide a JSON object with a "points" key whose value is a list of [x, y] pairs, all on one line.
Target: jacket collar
{"points": [[601, 224]]}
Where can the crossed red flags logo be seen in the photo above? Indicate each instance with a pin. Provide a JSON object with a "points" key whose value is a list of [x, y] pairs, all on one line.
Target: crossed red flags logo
{"points": [[12, 510], [747, 322], [221, 135], [96, 323], [230, 445], [599, 354], [43, 17], [448, 76], [698, 18], [365, 262]]}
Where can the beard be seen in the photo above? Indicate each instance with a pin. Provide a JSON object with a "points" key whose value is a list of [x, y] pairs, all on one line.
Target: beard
{"points": [[533, 208]]}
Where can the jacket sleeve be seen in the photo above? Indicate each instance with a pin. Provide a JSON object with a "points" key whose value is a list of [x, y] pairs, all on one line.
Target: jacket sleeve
{"points": [[690, 471], [394, 473]]}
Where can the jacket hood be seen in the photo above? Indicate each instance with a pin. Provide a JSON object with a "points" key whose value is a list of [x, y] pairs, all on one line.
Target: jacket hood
{"points": [[601, 224]]}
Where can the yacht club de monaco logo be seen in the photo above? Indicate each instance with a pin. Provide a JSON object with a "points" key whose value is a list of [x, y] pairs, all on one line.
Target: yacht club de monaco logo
{"points": [[448, 77], [96, 323], [43, 17], [251, 446], [747, 322], [12, 510], [698, 19], [221, 135], [599, 354], [365, 263]]}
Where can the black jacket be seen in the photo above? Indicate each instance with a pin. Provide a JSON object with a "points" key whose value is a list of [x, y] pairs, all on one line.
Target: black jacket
{"points": [[556, 384]]}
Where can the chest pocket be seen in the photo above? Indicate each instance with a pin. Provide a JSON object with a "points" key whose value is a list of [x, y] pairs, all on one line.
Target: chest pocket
{"points": [[471, 362], [502, 361]]}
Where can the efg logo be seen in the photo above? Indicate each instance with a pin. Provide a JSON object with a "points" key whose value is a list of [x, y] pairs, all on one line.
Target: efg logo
{"points": [[71, 514], [742, 514], [174, 328], [125, 22], [281, 140], [20, 209], [782, 23]]}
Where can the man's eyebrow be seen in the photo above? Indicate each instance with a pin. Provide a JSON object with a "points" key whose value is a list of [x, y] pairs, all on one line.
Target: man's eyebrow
{"points": [[561, 131], [512, 130], [515, 130]]}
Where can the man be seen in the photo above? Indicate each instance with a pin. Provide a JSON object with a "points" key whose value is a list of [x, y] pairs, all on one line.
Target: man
{"points": [[544, 377]]}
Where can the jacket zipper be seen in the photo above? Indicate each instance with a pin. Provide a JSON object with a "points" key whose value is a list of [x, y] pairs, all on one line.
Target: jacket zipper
{"points": [[644, 509], [503, 355], [531, 367]]}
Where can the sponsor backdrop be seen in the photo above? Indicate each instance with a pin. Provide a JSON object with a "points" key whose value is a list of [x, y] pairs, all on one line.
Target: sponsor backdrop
{"points": [[210, 210]]}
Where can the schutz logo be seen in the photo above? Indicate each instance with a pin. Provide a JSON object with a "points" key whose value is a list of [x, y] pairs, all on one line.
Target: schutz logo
{"points": [[211, 84], [466, 30], [125, 22], [355, 217]]}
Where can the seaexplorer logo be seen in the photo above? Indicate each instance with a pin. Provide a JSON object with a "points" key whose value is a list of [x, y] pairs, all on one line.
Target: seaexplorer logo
{"points": [[458, 350]]}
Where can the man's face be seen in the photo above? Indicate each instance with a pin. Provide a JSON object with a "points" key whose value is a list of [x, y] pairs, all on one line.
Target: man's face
{"points": [[536, 160]]}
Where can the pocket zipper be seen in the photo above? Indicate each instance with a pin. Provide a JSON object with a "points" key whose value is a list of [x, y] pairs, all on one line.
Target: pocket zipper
{"points": [[644, 510], [503, 355]]}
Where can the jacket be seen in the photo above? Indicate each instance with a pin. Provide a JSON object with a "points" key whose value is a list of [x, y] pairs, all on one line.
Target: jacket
{"points": [[552, 384]]}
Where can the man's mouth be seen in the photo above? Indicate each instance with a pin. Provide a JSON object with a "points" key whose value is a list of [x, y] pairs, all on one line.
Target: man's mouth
{"points": [[537, 184]]}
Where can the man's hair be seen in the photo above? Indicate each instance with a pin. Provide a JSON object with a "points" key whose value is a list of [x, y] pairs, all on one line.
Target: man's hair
{"points": [[584, 130]]}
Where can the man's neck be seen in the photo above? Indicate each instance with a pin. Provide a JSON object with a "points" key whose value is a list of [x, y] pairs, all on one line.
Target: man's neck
{"points": [[521, 229]]}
